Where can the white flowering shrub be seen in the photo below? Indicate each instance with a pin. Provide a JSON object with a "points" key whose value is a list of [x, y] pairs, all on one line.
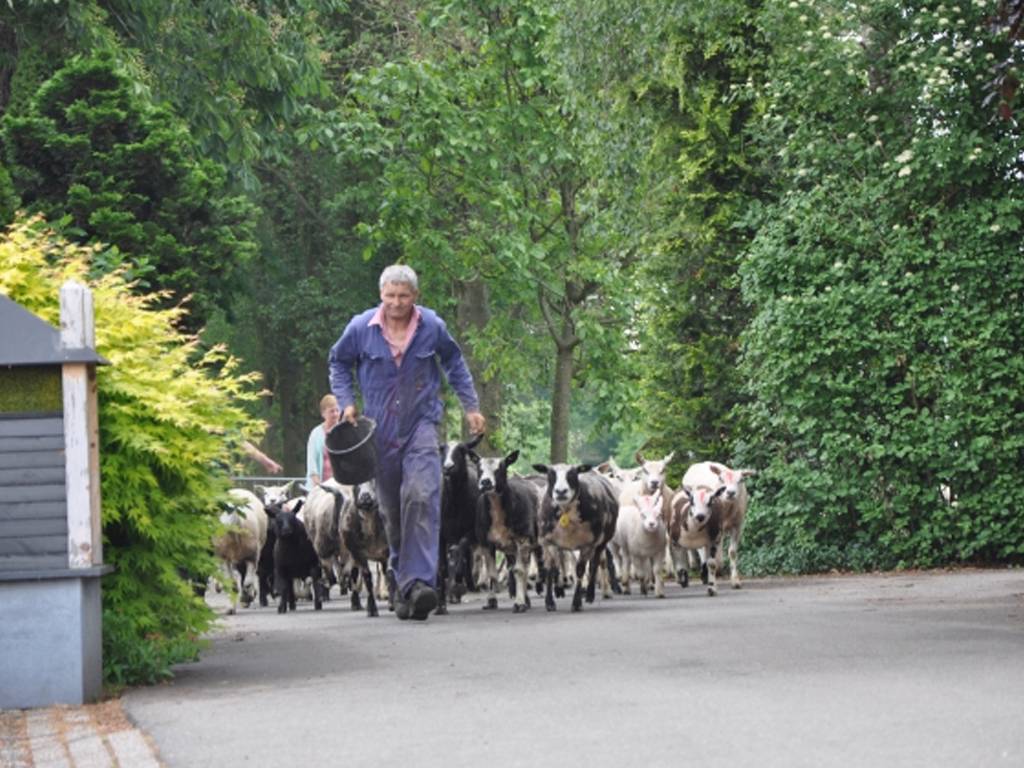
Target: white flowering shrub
{"points": [[885, 358]]}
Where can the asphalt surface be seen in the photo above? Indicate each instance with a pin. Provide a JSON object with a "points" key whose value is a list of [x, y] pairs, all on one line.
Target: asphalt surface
{"points": [[911, 669]]}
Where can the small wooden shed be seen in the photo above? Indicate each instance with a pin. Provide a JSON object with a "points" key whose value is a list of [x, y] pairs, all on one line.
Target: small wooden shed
{"points": [[51, 554]]}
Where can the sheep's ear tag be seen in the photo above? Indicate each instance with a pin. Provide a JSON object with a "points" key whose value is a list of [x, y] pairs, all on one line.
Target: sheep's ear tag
{"points": [[564, 520]]}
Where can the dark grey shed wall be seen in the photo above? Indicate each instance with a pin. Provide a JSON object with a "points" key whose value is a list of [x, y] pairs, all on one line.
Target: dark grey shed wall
{"points": [[33, 506]]}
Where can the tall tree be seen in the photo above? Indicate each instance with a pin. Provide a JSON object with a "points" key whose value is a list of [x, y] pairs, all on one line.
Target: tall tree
{"points": [[484, 181], [128, 175], [659, 84]]}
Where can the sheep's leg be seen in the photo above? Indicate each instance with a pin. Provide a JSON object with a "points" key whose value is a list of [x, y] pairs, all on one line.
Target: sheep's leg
{"points": [[517, 575], [371, 598], [577, 596], [392, 585], [283, 586], [510, 574], [611, 582], [492, 580], [683, 566], [249, 583], [356, 603], [235, 587], [266, 587], [383, 591], [626, 576], [712, 567], [442, 577], [595, 563], [538, 554], [549, 579], [643, 575], [702, 556], [317, 581], [559, 576], [567, 565], [734, 558], [659, 581]]}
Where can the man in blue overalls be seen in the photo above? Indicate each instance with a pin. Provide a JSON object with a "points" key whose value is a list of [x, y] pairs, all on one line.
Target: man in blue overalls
{"points": [[395, 349]]}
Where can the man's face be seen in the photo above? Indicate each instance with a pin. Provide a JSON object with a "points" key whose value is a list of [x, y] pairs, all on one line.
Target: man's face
{"points": [[398, 300]]}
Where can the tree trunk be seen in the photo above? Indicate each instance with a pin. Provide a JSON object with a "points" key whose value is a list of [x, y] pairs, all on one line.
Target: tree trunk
{"points": [[473, 312], [293, 456], [561, 403]]}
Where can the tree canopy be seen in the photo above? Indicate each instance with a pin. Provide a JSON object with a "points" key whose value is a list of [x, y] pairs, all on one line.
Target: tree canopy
{"points": [[782, 234]]}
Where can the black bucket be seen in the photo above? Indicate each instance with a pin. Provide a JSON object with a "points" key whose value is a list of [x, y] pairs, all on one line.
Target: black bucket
{"points": [[353, 451]]}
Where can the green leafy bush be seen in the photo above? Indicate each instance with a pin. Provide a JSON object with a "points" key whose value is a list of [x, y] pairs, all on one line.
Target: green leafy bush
{"points": [[885, 358], [8, 199], [169, 414], [128, 174]]}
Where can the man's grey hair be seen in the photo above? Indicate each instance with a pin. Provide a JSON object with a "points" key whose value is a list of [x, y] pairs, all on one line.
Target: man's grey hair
{"points": [[400, 274]]}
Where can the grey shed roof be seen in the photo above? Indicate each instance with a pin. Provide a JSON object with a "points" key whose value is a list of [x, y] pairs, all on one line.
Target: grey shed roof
{"points": [[27, 340]]}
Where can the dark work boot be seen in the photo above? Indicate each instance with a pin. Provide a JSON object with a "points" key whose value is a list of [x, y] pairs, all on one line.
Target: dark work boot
{"points": [[422, 599]]}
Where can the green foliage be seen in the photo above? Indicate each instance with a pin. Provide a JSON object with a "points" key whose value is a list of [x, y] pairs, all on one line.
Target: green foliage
{"points": [[884, 360], [128, 175], [8, 198], [169, 415], [664, 78], [482, 179]]}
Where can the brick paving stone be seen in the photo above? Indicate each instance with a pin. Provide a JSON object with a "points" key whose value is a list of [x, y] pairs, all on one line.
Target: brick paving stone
{"points": [[13, 740], [93, 736], [132, 750], [45, 742], [87, 748]]}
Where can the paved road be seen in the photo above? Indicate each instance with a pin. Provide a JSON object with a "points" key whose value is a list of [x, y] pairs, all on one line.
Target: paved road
{"points": [[919, 669]]}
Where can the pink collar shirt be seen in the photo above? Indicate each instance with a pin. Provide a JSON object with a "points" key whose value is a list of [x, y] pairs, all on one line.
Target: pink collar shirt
{"points": [[397, 350]]}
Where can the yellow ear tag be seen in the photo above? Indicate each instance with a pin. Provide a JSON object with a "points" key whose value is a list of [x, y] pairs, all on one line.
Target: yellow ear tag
{"points": [[564, 520]]}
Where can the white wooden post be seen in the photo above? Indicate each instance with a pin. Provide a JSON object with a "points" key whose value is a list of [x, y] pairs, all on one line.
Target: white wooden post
{"points": [[81, 430]]}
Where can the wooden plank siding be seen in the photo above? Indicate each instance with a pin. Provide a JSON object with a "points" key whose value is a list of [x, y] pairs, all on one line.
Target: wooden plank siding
{"points": [[32, 460], [28, 527], [33, 506], [49, 425], [19, 510], [31, 476], [31, 444]]}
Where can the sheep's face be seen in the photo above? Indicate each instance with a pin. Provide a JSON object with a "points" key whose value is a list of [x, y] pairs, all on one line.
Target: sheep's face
{"points": [[652, 473], [563, 481], [613, 471], [454, 456], [284, 518], [731, 479], [277, 494], [650, 511], [702, 503], [493, 472], [366, 496]]}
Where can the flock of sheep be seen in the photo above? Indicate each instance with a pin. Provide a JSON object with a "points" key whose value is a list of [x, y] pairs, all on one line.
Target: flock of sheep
{"points": [[563, 527]]}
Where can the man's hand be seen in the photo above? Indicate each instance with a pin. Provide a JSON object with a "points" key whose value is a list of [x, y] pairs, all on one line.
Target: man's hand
{"points": [[349, 415], [477, 422]]}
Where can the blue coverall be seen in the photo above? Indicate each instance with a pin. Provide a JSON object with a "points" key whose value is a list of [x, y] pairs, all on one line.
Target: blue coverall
{"points": [[405, 402]]}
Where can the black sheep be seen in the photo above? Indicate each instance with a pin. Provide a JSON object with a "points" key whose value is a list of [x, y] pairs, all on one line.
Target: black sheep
{"points": [[294, 556], [579, 512], [459, 495], [506, 519], [265, 565]]}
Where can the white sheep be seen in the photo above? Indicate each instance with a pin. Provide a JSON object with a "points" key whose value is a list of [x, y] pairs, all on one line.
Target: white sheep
{"points": [[733, 504], [239, 545], [321, 514], [639, 542]]}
